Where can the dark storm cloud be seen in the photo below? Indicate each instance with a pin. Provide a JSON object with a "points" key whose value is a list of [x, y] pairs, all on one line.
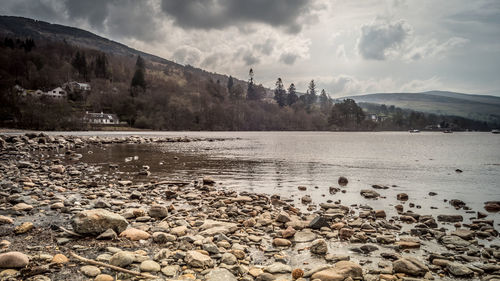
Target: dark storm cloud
{"points": [[380, 37], [41, 10], [93, 11], [214, 14]]}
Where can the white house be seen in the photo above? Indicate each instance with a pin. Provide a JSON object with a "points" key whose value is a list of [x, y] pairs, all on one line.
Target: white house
{"points": [[57, 93], [101, 118]]}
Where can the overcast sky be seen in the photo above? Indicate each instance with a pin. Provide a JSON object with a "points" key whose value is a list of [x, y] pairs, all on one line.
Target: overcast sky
{"points": [[347, 47]]}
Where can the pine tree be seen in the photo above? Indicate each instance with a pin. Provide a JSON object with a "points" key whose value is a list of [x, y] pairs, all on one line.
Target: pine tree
{"points": [[251, 91], [280, 93], [292, 95], [138, 81], [324, 101], [311, 94]]}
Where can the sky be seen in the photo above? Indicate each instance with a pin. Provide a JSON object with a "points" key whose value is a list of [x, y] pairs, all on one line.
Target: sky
{"points": [[347, 47]]}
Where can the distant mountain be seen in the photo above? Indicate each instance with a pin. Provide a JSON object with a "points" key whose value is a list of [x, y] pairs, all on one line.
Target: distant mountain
{"points": [[478, 107]]}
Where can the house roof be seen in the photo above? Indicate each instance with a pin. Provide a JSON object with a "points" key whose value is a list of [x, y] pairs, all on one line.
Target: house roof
{"points": [[110, 116]]}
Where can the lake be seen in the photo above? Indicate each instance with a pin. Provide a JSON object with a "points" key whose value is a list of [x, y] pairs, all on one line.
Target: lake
{"points": [[279, 162]]}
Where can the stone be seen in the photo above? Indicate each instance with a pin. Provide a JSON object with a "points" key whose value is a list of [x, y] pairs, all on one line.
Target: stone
{"points": [[90, 270], [170, 270], [219, 274], [304, 236], [410, 266], [342, 181], [283, 217], [297, 273], [122, 259], [346, 233], [96, 221], [318, 222], [402, 197], [280, 242], [289, 232], [57, 169], [450, 218], [158, 211], [179, 230], [13, 260], [6, 220], [319, 247], [454, 241], [60, 258], [457, 203], [492, 206], [341, 271], [20, 207], [278, 267], [212, 227], [265, 277], [380, 214], [306, 199], [228, 258], [23, 228], [109, 234], [197, 259], [149, 266], [135, 234], [104, 277], [407, 244], [459, 270], [208, 181], [368, 193], [162, 237]]}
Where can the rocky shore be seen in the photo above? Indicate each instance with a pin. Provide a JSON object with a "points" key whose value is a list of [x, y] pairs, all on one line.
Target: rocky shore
{"points": [[64, 219]]}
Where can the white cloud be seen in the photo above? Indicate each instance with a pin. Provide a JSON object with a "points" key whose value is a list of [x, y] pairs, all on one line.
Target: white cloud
{"points": [[382, 38]]}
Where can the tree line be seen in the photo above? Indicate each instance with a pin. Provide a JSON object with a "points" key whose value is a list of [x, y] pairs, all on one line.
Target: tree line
{"points": [[153, 96]]}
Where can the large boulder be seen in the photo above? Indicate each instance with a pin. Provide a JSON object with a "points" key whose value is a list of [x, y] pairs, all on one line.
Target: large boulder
{"points": [[410, 266], [341, 271], [492, 206], [96, 221], [368, 193]]}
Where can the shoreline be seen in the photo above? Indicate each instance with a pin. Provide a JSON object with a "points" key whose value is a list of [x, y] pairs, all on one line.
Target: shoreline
{"points": [[199, 230]]}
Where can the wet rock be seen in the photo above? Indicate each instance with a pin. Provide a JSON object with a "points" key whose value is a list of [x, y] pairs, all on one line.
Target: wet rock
{"points": [[306, 199], [450, 218], [13, 260], [410, 266], [380, 214], [368, 193], [135, 234], [454, 241], [457, 203], [208, 181], [302, 188], [289, 232], [304, 236], [96, 221], [402, 197], [432, 193], [218, 274], [197, 259], [343, 181], [283, 217], [346, 233], [366, 249], [492, 206], [319, 247], [318, 222], [90, 270], [341, 271], [122, 259]]}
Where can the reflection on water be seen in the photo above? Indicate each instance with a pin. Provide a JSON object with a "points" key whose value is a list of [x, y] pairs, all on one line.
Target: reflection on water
{"points": [[278, 162]]}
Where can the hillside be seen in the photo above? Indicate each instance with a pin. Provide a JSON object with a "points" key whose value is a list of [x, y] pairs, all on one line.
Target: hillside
{"points": [[44, 31], [478, 107]]}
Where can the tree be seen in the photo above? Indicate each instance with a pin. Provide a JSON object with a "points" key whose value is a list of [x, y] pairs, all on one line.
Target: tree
{"points": [[101, 66], [230, 84], [324, 101], [80, 64], [311, 94], [252, 91], [346, 115], [280, 93], [292, 95], [138, 81]]}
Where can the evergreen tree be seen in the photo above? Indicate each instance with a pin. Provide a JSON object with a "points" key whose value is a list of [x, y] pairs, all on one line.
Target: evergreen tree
{"points": [[311, 94], [138, 81], [280, 93], [251, 90], [292, 95], [324, 101], [230, 83], [101, 66]]}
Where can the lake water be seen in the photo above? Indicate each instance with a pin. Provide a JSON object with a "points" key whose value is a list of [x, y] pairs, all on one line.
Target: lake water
{"points": [[279, 162]]}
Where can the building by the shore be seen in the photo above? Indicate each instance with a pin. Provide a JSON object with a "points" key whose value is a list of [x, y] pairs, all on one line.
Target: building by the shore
{"points": [[101, 118]]}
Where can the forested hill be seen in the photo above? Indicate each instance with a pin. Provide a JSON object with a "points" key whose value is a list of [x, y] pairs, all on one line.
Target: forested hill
{"points": [[478, 107], [43, 31]]}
